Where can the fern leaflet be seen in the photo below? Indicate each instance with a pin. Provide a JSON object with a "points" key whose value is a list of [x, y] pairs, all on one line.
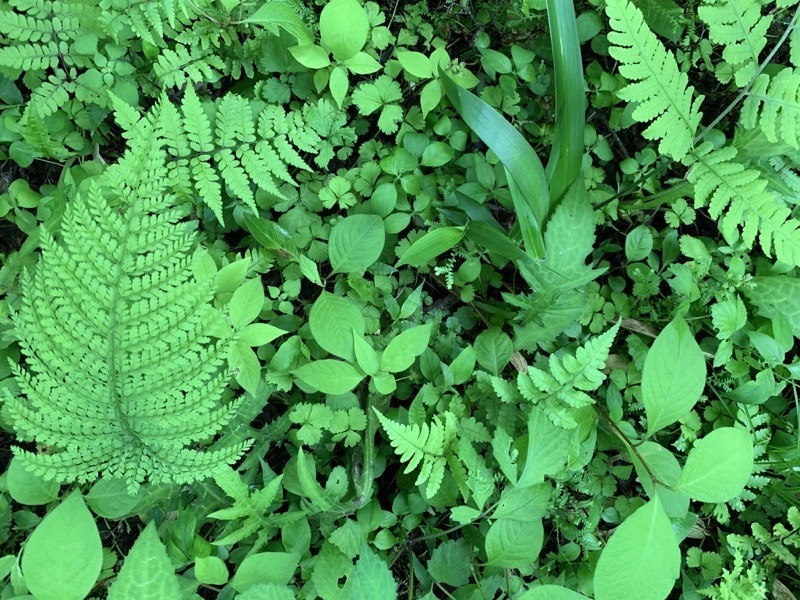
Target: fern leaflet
{"points": [[774, 105], [660, 89]]}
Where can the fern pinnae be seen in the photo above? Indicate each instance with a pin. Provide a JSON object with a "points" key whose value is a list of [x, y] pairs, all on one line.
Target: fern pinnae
{"points": [[774, 106], [657, 85]]}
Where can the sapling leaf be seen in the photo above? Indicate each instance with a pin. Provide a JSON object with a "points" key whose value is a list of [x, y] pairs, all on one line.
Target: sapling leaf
{"points": [[333, 321], [147, 573], [329, 376], [356, 242]]}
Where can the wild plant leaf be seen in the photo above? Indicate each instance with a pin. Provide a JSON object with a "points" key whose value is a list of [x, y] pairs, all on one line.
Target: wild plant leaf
{"points": [[329, 376], [147, 573], [356, 242], [371, 578], [399, 355], [431, 245], [513, 544], [334, 320]]}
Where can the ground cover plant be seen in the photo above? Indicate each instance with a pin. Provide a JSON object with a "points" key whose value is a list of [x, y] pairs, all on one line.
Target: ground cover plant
{"points": [[439, 299]]}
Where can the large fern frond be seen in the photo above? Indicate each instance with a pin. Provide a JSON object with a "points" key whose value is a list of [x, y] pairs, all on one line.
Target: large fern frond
{"points": [[741, 28], [739, 198], [774, 106], [659, 89], [125, 354]]}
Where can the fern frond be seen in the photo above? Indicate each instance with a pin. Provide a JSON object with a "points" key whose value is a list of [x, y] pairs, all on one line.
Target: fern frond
{"points": [[175, 67], [123, 374], [423, 446], [569, 379], [741, 28], [660, 90], [739, 198], [774, 106]]}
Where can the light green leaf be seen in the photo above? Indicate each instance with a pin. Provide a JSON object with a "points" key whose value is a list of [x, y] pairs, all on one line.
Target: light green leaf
{"points": [[641, 560], [371, 579], [524, 503], [548, 449], [210, 570], [270, 235], [344, 28], [385, 383], [493, 349], [718, 466], [28, 488], [431, 245], [674, 376], [366, 356], [532, 204], [246, 366], [63, 556], [666, 468], [279, 14], [356, 242], [109, 498], [267, 591], [450, 563], [437, 154], [309, 270], [463, 365], [307, 477], [552, 592], [310, 56], [329, 376], [430, 97], [339, 84], [264, 567], [512, 544], [405, 347], [415, 63], [246, 303], [638, 243], [362, 64], [147, 573], [333, 321], [258, 334]]}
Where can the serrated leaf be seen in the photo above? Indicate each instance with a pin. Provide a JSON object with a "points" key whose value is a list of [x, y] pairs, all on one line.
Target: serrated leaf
{"points": [[513, 544], [450, 563], [718, 466], [371, 579], [147, 573]]}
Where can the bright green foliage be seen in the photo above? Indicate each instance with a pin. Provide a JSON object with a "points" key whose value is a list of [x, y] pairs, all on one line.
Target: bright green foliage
{"points": [[741, 28], [662, 91], [426, 445], [148, 573], [568, 380], [772, 104], [125, 355], [776, 294], [739, 197]]}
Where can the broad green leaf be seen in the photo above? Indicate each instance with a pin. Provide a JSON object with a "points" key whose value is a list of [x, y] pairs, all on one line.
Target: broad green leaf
{"points": [[524, 503], [333, 321], [552, 592], [246, 303], [431, 245], [512, 544], [463, 365], [264, 567], [28, 488], [355, 243], [310, 56], [718, 466], [210, 570], [344, 28], [329, 376], [450, 563], [63, 556], [548, 449], [666, 468], [147, 573], [339, 84], [776, 294], [641, 559], [638, 243], [495, 241], [268, 591], [532, 204], [6, 564], [306, 476], [258, 334], [405, 347], [415, 63], [109, 498], [385, 383], [363, 64], [366, 356], [493, 349], [371, 579], [246, 366], [279, 14], [437, 154], [674, 376], [269, 234]]}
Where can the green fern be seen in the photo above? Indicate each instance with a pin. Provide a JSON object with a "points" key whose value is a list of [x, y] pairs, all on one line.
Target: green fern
{"points": [[772, 104], [739, 198], [570, 377], [428, 446], [660, 90], [125, 354], [741, 28]]}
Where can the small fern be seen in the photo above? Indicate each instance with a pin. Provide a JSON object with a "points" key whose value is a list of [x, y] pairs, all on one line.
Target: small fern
{"points": [[660, 90], [739, 198], [740, 27], [125, 353], [570, 377], [428, 446]]}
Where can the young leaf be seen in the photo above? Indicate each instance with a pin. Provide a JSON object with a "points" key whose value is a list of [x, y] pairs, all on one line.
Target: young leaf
{"points": [[147, 573], [674, 376], [246, 303], [329, 376], [403, 349], [264, 567], [718, 466], [344, 28], [29, 488], [552, 592], [431, 245], [371, 579], [334, 320], [64, 555], [514, 544], [493, 349], [366, 356], [356, 242], [641, 560]]}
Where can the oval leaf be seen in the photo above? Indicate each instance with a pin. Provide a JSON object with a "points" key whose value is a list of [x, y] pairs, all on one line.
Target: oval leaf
{"points": [[356, 242], [552, 592], [641, 560], [513, 544], [329, 376], [63, 555], [674, 376], [333, 321], [718, 466], [344, 28], [431, 245], [403, 349], [28, 488]]}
